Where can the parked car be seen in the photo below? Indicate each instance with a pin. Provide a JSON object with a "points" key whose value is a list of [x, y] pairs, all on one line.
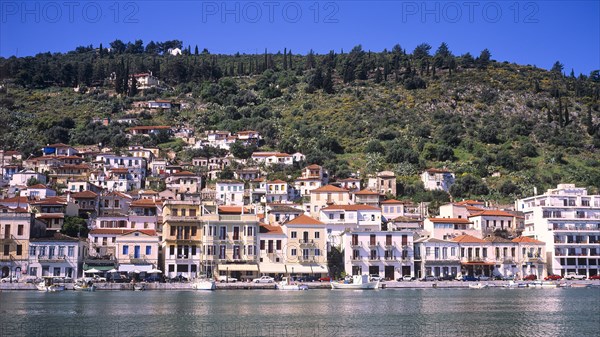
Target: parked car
{"points": [[552, 277], [224, 278], [469, 278], [264, 279], [595, 277], [8, 279], [405, 278], [325, 279], [483, 278], [530, 278], [31, 279], [307, 279], [447, 278], [429, 278], [574, 276], [375, 277]]}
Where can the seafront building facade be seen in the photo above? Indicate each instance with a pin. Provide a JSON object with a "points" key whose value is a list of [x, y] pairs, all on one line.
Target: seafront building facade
{"points": [[567, 219]]}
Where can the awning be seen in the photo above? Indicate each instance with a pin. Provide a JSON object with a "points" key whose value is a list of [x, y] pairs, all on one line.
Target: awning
{"points": [[101, 268], [272, 268], [131, 267], [478, 263], [237, 267], [307, 269]]}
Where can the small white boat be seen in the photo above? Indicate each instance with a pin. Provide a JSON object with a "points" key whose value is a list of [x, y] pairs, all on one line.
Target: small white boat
{"points": [[511, 285], [285, 284], [358, 282], [80, 286], [139, 286], [204, 284], [478, 286], [49, 284]]}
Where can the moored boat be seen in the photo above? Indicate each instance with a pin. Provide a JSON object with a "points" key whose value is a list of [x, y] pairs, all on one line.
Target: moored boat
{"points": [[50, 284], [83, 286], [358, 282], [478, 286], [204, 284], [286, 284]]}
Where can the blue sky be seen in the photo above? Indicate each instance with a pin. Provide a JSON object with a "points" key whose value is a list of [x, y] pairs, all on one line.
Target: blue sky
{"points": [[524, 32]]}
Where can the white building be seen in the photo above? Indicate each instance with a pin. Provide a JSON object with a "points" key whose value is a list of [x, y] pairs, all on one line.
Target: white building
{"points": [[59, 255], [229, 192], [388, 254], [437, 179], [567, 220]]}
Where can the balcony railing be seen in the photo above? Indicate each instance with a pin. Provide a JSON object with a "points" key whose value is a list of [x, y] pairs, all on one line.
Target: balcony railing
{"points": [[307, 258], [307, 242], [181, 218]]}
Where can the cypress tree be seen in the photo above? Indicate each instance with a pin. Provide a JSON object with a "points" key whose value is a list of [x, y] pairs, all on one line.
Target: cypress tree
{"points": [[284, 58]]}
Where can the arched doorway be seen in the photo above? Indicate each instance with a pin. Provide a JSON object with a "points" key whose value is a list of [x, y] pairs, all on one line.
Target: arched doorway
{"points": [[5, 271]]}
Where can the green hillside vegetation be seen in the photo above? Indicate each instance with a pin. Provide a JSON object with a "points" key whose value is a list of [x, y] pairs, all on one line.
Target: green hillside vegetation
{"points": [[502, 128]]}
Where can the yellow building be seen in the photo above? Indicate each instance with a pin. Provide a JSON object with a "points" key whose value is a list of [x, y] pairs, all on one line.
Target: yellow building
{"points": [[306, 250], [182, 238], [230, 241], [15, 225]]}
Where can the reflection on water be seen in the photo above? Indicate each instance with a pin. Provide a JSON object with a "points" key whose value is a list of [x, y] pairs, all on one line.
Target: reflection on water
{"points": [[406, 312]]}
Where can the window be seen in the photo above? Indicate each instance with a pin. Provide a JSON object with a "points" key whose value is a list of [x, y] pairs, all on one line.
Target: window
{"points": [[294, 252], [19, 249], [71, 251], [453, 251], [20, 230], [262, 244], [32, 250], [317, 252], [317, 235], [278, 245], [125, 250], [294, 234], [148, 250], [61, 250]]}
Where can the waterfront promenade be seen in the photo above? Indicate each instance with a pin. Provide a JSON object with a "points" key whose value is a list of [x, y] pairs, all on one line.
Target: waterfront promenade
{"points": [[101, 286]]}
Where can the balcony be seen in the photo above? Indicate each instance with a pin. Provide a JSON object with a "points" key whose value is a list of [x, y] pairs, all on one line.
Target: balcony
{"points": [[356, 258], [373, 243], [307, 259], [389, 244], [140, 259], [355, 244], [307, 242], [374, 258], [180, 218], [51, 259]]}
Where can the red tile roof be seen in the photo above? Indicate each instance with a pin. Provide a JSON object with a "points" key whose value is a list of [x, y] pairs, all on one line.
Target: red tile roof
{"points": [[143, 203], [270, 229], [329, 188], [366, 192], [38, 186], [525, 239], [304, 220], [51, 216], [276, 181], [492, 213], [84, 195], [183, 173], [233, 210], [436, 170], [467, 239]]}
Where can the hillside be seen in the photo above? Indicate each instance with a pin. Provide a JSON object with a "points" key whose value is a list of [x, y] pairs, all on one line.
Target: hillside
{"points": [[514, 126]]}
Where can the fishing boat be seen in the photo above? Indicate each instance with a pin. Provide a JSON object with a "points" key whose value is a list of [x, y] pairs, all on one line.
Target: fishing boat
{"points": [[478, 286], [357, 282], [139, 286], [50, 284], [286, 284], [84, 286], [204, 283]]}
